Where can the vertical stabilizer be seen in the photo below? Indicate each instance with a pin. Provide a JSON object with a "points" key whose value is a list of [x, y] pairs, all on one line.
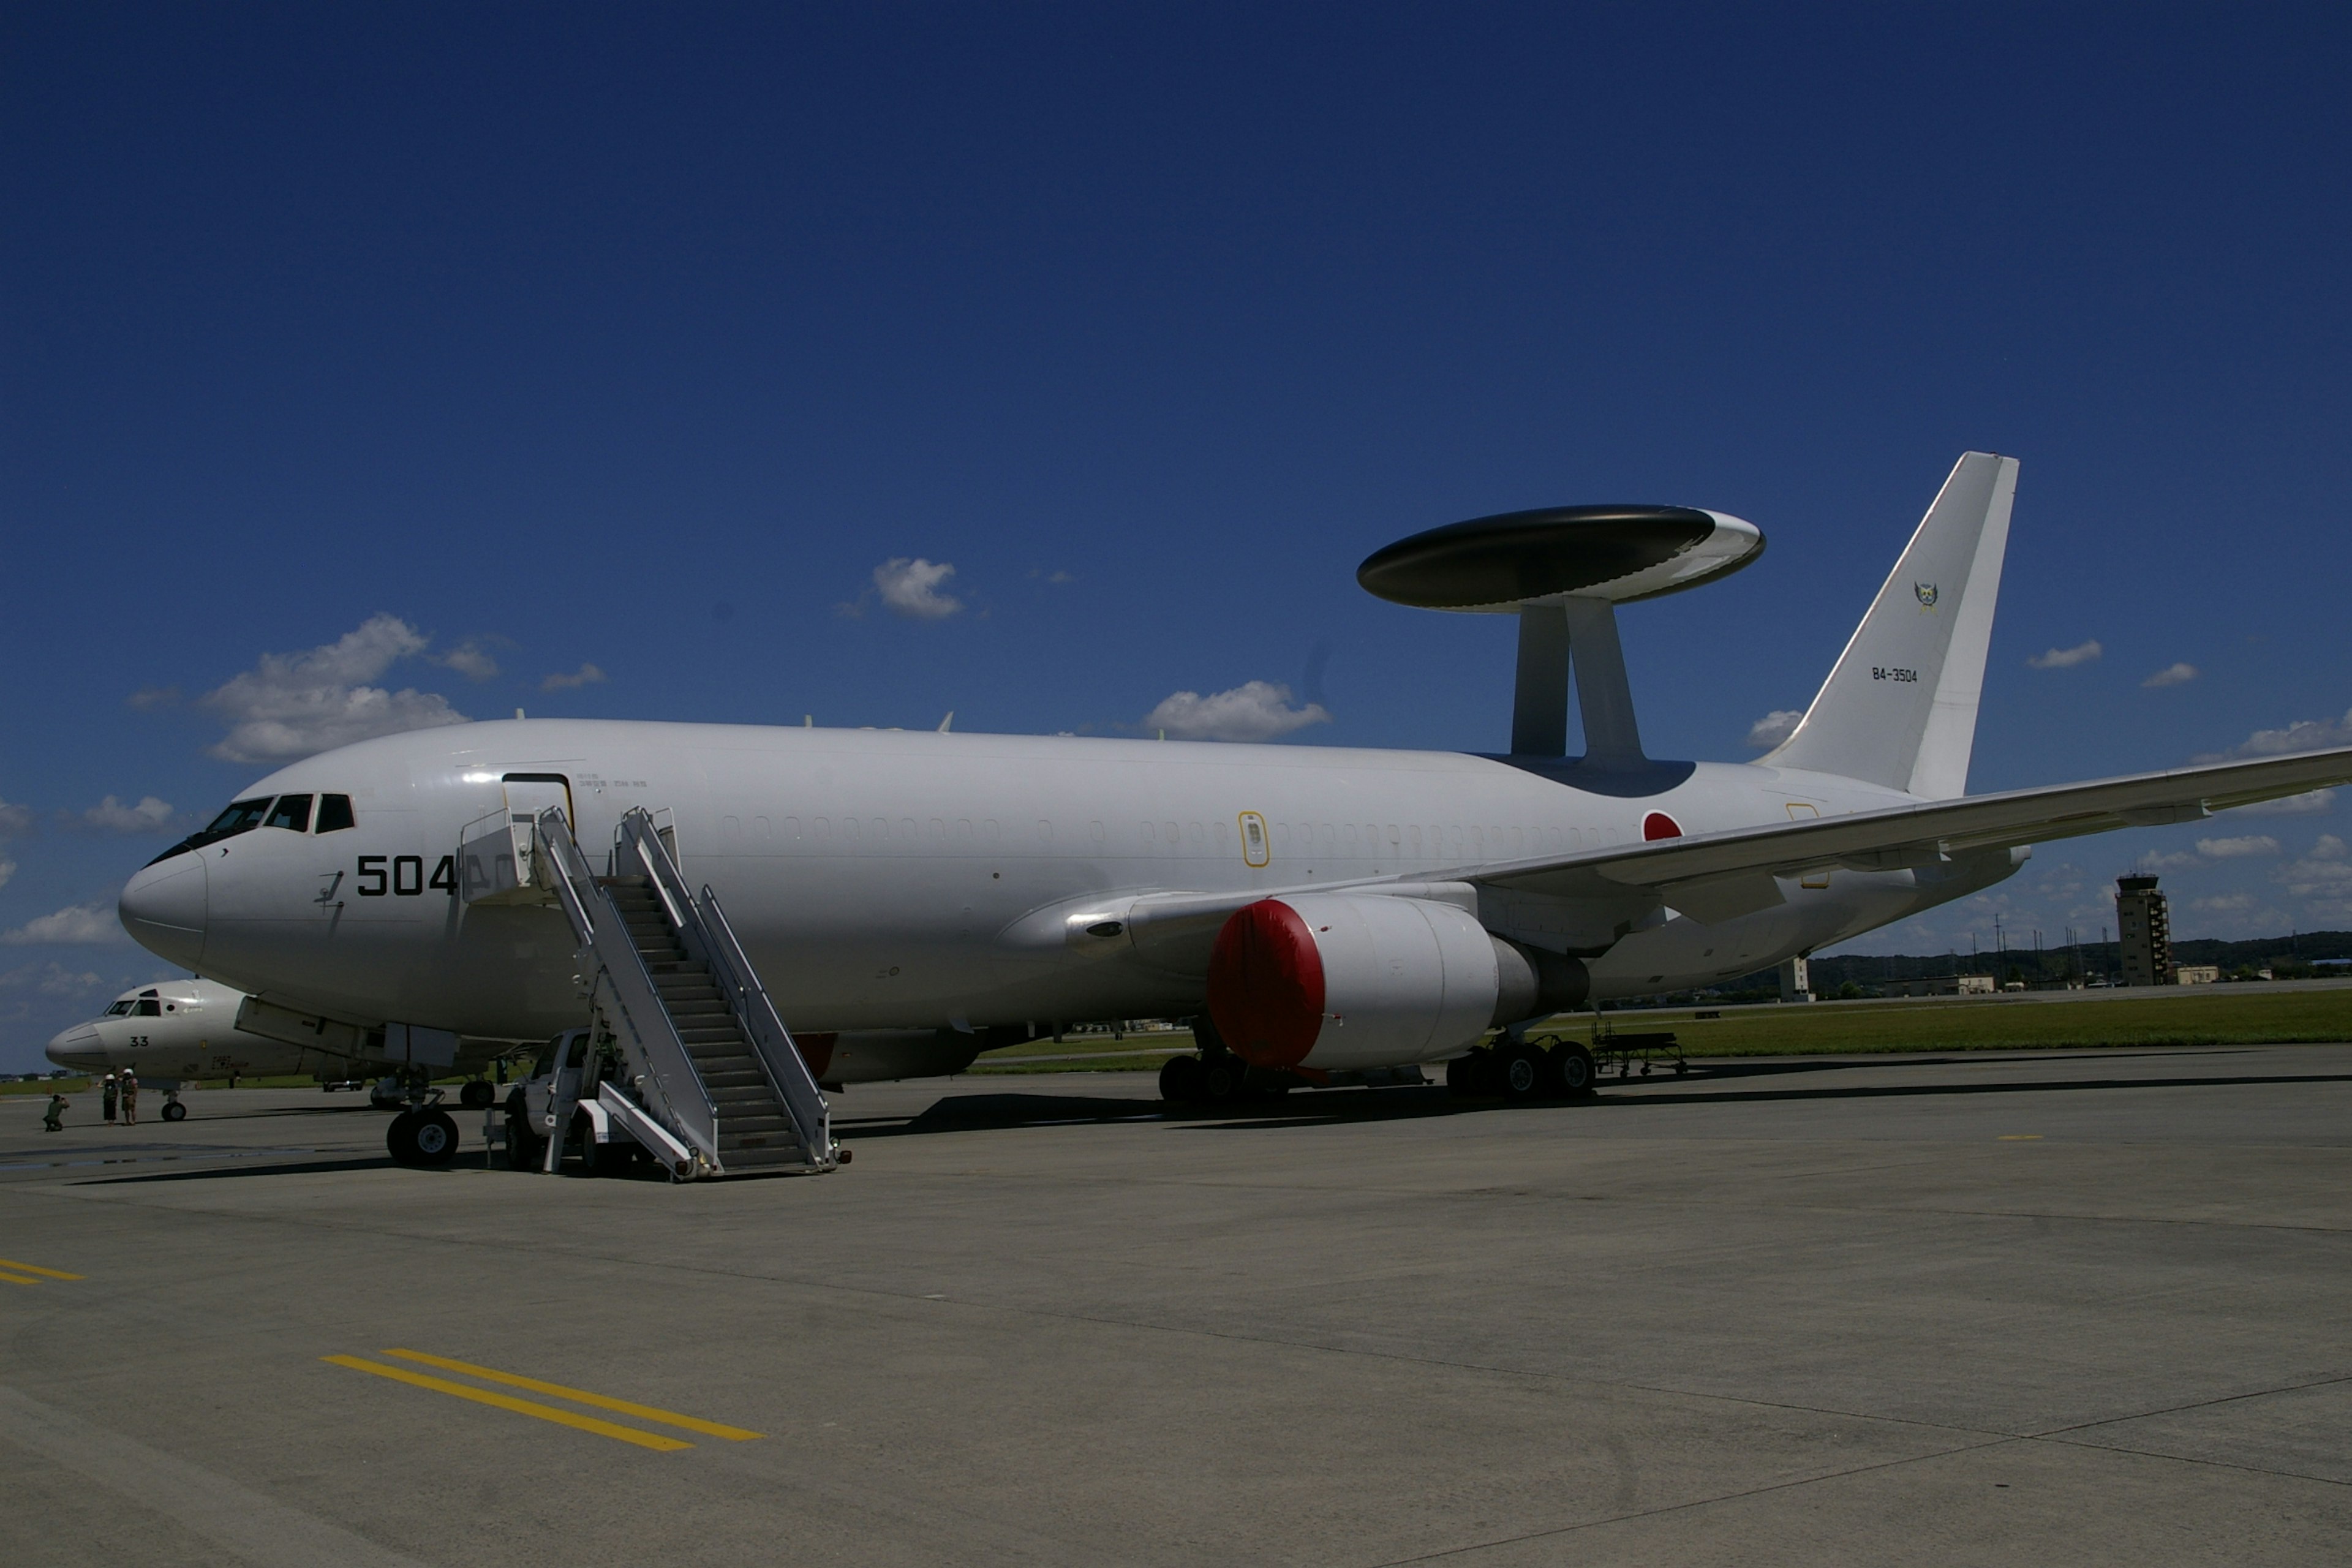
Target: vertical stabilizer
{"points": [[1900, 707]]}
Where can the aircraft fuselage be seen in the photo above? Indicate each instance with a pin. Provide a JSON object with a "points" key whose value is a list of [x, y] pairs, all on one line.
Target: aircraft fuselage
{"points": [[889, 879]]}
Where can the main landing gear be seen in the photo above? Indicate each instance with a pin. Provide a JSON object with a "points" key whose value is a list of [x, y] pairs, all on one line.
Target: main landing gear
{"points": [[1217, 1076], [1521, 1071], [173, 1109]]}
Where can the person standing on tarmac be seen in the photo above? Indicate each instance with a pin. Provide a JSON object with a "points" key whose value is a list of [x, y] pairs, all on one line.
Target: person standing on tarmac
{"points": [[129, 1097], [106, 1099], [53, 1120]]}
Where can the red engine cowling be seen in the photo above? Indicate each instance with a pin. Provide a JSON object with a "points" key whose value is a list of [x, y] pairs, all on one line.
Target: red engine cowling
{"points": [[1332, 980]]}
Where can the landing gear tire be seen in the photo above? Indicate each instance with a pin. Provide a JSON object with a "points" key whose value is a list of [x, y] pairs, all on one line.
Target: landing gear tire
{"points": [[1573, 1073], [476, 1095], [1181, 1081], [1470, 1075], [425, 1139], [174, 1112], [1523, 1071], [1225, 1079]]}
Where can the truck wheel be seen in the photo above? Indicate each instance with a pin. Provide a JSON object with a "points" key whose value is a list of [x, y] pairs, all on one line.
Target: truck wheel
{"points": [[524, 1151], [596, 1159]]}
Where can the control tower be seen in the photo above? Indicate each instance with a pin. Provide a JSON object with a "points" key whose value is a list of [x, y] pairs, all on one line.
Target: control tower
{"points": [[2145, 928]]}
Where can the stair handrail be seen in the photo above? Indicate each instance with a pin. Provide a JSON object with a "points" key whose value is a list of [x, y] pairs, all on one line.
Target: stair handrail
{"points": [[678, 1098], [710, 938]]}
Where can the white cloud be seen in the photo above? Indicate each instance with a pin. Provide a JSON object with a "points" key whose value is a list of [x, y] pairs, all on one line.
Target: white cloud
{"points": [[2067, 657], [2302, 735], [110, 815], [2235, 848], [153, 697], [2164, 860], [2225, 903], [91, 922], [1773, 728], [2325, 873], [587, 674], [1255, 711], [912, 587], [2310, 800], [291, 705], [2171, 674], [468, 660], [7, 869], [14, 820], [50, 978]]}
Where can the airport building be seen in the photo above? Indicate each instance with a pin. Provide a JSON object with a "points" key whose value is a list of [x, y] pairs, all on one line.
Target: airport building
{"points": [[2145, 927]]}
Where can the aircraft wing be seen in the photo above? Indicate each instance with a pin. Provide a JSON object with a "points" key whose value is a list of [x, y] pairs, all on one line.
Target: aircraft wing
{"points": [[1718, 875]]}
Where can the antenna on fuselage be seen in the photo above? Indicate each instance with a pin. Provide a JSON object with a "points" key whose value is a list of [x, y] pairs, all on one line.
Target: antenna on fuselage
{"points": [[1563, 570]]}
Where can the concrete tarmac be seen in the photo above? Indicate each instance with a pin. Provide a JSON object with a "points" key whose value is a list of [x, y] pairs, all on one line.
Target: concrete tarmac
{"points": [[2077, 1307]]}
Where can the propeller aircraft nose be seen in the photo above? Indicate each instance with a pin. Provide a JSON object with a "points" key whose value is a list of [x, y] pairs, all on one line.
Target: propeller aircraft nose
{"points": [[79, 1047], [163, 908]]}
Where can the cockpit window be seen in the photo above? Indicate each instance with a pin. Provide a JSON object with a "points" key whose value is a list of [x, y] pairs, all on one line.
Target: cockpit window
{"points": [[335, 813], [120, 1009], [292, 812], [149, 1008], [242, 816]]}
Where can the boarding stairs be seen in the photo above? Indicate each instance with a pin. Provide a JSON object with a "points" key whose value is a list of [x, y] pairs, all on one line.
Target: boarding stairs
{"points": [[711, 1083]]}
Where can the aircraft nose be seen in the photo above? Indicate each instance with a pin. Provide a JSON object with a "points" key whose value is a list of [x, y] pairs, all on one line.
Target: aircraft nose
{"points": [[163, 908], [79, 1047]]}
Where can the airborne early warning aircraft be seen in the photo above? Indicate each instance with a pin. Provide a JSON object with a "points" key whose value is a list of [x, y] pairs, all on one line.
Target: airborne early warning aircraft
{"points": [[1319, 911]]}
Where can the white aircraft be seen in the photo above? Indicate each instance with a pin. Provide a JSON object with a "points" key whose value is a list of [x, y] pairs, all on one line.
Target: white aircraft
{"points": [[1319, 911], [175, 1032], [178, 1031]]}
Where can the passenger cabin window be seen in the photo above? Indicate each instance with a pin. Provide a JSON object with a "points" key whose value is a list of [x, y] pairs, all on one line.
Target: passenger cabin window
{"points": [[335, 813], [292, 813]]}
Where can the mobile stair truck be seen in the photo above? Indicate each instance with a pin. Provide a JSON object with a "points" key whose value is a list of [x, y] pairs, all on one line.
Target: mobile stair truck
{"points": [[685, 1061]]}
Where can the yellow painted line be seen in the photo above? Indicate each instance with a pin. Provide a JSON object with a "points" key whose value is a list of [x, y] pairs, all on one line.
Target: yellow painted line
{"points": [[2018, 1138], [521, 1407], [20, 1279], [36, 1268], [602, 1402]]}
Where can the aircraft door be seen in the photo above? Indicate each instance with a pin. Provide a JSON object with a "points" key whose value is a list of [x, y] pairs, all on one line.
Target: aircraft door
{"points": [[528, 795]]}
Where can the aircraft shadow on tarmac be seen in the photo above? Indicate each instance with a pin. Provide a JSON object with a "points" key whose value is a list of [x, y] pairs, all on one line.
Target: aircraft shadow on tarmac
{"points": [[967, 1113], [220, 1173]]}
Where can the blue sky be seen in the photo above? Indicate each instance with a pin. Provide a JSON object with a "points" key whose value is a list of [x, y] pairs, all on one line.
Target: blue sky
{"points": [[492, 344]]}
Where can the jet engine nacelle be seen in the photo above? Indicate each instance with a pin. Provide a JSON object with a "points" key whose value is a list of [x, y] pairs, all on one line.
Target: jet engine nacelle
{"points": [[1334, 980]]}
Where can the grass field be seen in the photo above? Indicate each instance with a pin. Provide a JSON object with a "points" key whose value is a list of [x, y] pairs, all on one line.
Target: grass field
{"points": [[2235, 1015]]}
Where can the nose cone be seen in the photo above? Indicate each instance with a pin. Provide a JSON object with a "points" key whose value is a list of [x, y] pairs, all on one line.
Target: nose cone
{"points": [[163, 908], [79, 1047]]}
